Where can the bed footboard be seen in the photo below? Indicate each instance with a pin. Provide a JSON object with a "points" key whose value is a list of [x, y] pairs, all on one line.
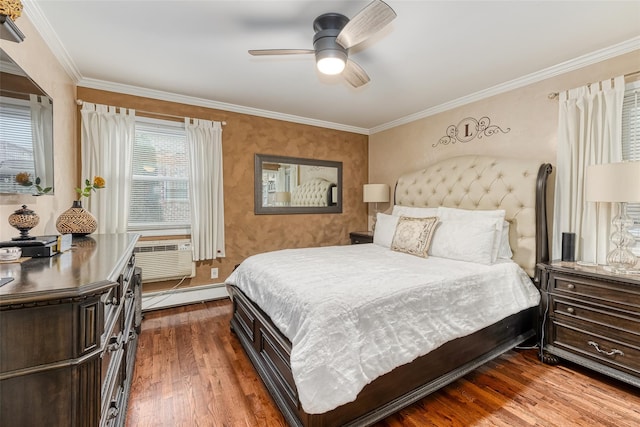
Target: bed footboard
{"points": [[269, 352]]}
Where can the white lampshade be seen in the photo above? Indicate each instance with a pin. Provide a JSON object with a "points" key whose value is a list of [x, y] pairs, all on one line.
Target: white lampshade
{"points": [[283, 196], [613, 182], [375, 193]]}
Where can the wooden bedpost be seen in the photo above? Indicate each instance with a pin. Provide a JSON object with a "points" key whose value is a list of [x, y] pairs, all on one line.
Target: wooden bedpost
{"points": [[542, 233]]}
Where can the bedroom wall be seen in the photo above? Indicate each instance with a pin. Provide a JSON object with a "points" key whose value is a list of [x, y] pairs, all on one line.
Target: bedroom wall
{"points": [[243, 137], [34, 56], [528, 112]]}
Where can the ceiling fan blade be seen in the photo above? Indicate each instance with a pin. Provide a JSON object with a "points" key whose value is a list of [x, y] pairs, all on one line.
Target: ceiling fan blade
{"points": [[260, 52], [354, 74], [367, 22]]}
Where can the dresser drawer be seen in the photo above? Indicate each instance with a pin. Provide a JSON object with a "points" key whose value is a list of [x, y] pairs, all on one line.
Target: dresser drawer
{"points": [[112, 347], [619, 355], [578, 310], [618, 295], [110, 306]]}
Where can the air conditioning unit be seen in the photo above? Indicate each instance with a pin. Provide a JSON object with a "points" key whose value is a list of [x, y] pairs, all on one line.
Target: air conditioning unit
{"points": [[165, 259]]}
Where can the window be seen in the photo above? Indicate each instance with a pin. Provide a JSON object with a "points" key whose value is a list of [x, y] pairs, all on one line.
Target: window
{"points": [[631, 147], [160, 181], [16, 149]]}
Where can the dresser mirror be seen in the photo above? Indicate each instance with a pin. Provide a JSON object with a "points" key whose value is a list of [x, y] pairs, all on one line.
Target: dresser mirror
{"points": [[289, 185], [26, 130]]}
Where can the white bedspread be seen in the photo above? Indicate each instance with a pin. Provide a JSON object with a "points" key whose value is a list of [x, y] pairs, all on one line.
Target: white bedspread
{"points": [[353, 313]]}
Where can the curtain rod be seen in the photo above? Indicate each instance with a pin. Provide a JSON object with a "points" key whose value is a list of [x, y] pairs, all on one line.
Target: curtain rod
{"points": [[555, 95], [80, 102]]}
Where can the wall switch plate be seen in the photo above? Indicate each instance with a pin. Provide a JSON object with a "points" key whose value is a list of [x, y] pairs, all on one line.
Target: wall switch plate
{"points": [[214, 273]]}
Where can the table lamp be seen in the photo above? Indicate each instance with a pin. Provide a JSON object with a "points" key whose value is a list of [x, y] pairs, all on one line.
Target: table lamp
{"points": [[616, 183], [375, 193]]}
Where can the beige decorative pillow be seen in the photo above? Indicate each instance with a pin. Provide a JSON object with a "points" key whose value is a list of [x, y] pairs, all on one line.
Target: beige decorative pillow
{"points": [[413, 235]]}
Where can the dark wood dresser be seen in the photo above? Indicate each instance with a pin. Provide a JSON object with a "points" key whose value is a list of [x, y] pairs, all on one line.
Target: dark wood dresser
{"points": [[69, 326], [591, 317]]}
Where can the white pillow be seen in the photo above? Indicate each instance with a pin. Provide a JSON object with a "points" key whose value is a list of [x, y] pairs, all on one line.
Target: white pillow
{"points": [[414, 212], [470, 215], [385, 229], [505, 247], [465, 240]]}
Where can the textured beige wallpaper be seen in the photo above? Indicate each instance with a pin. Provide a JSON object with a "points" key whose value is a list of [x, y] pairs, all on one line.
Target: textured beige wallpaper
{"points": [[244, 136], [34, 56]]}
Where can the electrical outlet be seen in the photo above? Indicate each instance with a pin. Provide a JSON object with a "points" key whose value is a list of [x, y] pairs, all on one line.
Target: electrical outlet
{"points": [[214, 273]]}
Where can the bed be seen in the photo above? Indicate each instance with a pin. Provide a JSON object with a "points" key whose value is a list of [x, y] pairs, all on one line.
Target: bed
{"points": [[315, 192], [516, 186]]}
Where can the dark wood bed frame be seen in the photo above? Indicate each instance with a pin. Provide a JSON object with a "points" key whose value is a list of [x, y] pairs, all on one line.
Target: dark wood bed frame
{"points": [[269, 351]]}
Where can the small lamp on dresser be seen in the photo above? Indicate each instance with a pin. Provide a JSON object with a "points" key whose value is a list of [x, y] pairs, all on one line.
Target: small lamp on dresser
{"points": [[616, 183], [375, 193], [283, 198]]}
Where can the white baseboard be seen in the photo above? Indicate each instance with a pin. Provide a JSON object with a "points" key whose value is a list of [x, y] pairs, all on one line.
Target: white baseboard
{"points": [[175, 297]]}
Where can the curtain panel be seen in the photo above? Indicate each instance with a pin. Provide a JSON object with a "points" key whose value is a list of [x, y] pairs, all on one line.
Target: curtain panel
{"points": [[589, 132], [204, 152], [42, 131], [107, 140]]}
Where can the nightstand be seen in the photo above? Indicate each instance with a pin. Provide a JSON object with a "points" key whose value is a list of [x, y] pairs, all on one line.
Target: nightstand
{"points": [[358, 237], [591, 317]]}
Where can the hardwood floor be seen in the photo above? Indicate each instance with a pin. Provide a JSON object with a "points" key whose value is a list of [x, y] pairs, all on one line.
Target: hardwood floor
{"points": [[191, 371]]}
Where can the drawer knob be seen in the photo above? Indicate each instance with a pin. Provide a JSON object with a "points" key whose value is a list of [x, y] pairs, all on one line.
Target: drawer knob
{"points": [[613, 352], [114, 344], [113, 410], [571, 286], [571, 310], [112, 301]]}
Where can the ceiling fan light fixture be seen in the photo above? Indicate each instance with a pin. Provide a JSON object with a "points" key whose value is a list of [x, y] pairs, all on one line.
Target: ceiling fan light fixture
{"points": [[331, 62], [331, 66]]}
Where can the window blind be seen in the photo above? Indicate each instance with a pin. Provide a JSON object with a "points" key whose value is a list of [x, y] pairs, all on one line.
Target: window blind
{"points": [[160, 181], [16, 149], [631, 148]]}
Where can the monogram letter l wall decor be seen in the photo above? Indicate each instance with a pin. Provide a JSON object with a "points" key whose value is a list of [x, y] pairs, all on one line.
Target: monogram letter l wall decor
{"points": [[469, 129]]}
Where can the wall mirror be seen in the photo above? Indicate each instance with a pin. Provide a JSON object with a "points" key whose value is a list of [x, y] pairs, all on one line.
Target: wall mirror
{"points": [[26, 129], [289, 185]]}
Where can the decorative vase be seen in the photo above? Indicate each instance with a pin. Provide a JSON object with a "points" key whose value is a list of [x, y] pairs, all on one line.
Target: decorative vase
{"points": [[76, 221], [24, 220]]}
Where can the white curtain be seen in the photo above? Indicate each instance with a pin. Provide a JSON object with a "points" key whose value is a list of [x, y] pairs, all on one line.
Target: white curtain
{"points": [[204, 152], [589, 132], [107, 150], [42, 131]]}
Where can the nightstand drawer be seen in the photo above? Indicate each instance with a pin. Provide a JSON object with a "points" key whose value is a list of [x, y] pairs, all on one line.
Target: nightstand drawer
{"points": [[618, 355], [578, 310], [619, 295]]}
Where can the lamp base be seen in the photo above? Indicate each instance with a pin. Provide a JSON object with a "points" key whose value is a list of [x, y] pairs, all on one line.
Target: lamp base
{"points": [[621, 260]]}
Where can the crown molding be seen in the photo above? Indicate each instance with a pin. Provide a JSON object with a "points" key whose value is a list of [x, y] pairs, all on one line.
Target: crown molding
{"points": [[562, 68], [190, 100], [43, 27]]}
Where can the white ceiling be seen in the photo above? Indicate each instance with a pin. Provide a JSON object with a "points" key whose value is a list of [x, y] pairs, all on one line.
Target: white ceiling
{"points": [[433, 55]]}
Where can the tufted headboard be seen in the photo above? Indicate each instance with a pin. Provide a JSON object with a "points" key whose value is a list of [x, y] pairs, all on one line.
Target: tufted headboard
{"points": [[315, 192], [483, 183]]}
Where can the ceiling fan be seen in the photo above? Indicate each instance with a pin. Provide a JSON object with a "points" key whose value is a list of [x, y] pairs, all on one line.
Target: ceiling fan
{"points": [[335, 35]]}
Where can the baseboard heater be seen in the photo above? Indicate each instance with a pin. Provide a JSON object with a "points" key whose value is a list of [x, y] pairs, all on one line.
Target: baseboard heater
{"points": [[165, 259], [175, 297]]}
